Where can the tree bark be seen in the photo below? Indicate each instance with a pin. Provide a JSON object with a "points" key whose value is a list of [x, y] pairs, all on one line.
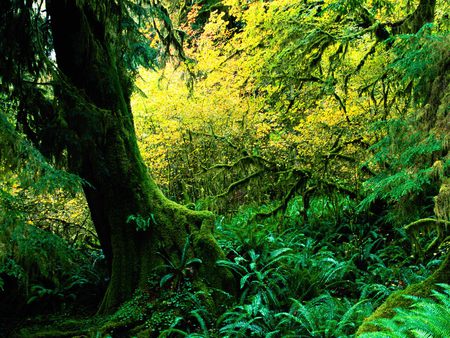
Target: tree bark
{"points": [[94, 94], [424, 13]]}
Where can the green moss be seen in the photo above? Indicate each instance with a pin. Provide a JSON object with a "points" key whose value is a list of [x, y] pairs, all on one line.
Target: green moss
{"points": [[207, 248], [57, 326], [52, 333]]}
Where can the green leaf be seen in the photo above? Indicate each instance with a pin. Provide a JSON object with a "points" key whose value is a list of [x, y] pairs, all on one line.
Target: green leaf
{"points": [[194, 261], [166, 278]]}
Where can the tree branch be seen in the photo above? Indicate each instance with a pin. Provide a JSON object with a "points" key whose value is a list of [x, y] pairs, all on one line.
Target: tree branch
{"points": [[238, 183]]}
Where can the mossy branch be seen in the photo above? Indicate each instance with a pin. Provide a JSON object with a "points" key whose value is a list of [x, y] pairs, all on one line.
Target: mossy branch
{"points": [[228, 165], [426, 224], [339, 155], [339, 188], [416, 225], [251, 158], [239, 182], [284, 202]]}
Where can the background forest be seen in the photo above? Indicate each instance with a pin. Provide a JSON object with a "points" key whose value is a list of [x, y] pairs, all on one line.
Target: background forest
{"points": [[309, 137]]}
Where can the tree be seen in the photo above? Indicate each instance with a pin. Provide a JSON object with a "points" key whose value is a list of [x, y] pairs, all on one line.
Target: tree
{"points": [[88, 109], [360, 58], [299, 86]]}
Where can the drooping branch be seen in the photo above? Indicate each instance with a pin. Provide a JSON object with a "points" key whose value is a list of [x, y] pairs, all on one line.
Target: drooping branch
{"points": [[284, 201], [240, 182], [427, 225], [229, 165], [339, 188]]}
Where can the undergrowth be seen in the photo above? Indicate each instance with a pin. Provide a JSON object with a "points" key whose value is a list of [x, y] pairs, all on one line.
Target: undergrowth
{"points": [[292, 284]]}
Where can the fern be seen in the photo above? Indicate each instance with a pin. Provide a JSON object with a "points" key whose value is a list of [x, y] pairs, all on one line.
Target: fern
{"points": [[44, 266], [261, 274], [254, 319], [178, 270], [323, 316], [425, 318], [419, 58], [377, 293], [407, 156]]}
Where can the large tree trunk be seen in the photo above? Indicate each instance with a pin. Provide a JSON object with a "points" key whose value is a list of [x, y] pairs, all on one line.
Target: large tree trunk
{"points": [[102, 149]]}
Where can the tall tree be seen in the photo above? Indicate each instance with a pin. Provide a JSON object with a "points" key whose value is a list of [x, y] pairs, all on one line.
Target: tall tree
{"points": [[91, 108]]}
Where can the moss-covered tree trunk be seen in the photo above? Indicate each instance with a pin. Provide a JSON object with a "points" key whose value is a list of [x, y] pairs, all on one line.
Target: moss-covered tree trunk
{"points": [[94, 96]]}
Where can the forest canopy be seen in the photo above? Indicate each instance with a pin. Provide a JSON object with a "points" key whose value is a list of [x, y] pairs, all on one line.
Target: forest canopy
{"points": [[224, 168]]}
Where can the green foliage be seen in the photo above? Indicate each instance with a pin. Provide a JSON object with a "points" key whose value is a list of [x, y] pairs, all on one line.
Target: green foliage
{"points": [[178, 269], [134, 310], [420, 58], [292, 285], [42, 294], [23, 164], [196, 317], [409, 156], [183, 311], [300, 109], [38, 204], [425, 318], [410, 161], [44, 268], [324, 316], [254, 319], [241, 235], [142, 224], [286, 94], [261, 275], [9, 267]]}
